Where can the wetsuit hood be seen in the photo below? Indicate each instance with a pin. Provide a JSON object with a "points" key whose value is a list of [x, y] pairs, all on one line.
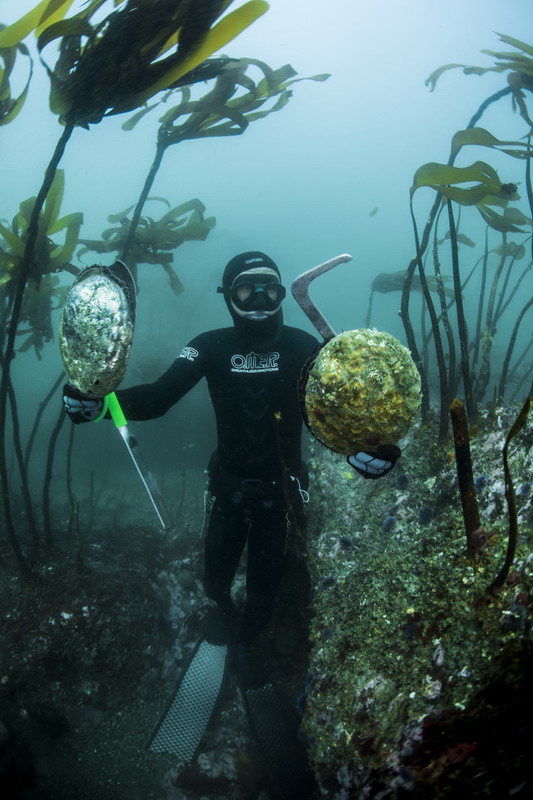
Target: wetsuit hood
{"points": [[257, 333]]}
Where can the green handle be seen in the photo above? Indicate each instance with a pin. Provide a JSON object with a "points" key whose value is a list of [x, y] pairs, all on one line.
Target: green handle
{"points": [[112, 405], [117, 415]]}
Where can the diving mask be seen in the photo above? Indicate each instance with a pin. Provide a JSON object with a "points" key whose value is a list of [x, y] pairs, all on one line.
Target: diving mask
{"points": [[256, 294], [249, 296]]}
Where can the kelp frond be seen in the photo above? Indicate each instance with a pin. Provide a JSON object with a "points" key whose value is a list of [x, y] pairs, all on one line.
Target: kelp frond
{"points": [[518, 65], [51, 257], [487, 191], [235, 100], [117, 64], [154, 239], [11, 106]]}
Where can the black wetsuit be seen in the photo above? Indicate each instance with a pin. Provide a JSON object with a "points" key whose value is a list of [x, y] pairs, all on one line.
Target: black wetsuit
{"points": [[256, 473]]}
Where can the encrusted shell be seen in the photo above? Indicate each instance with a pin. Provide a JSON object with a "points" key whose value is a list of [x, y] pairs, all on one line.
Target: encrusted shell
{"points": [[96, 332], [362, 391]]}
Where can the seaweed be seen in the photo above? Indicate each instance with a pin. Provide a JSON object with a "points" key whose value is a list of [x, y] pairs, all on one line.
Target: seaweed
{"points": [[476, 186], [227, 109], [154, 240], [518, 65], [500, 578], [465, 473], [10, 106], [109, 67], [50, 257]]}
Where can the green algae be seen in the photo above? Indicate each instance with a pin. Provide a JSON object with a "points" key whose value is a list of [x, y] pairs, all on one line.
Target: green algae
{"points": [[405, 631]]}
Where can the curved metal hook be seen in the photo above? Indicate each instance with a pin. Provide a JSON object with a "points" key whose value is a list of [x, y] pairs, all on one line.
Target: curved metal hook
{"points": [[300, 292]]}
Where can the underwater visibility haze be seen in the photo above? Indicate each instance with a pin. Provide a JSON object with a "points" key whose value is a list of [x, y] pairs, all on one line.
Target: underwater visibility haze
{"points": [[397, 133]]}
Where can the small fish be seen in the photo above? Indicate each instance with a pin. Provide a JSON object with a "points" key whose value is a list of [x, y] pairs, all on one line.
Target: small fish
{"points": [[96, 328], [373, 212]]}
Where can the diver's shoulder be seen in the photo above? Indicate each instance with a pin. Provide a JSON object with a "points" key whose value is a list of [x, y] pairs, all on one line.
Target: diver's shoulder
{"points": [[214, 335], [299, 336]]}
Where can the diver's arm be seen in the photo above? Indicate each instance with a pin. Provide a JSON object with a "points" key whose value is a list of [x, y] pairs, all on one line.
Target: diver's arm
{"points": [[151, 400]]}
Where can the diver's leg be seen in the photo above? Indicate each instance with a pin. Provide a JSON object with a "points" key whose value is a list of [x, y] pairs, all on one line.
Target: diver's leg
{"points": [[272, 717], [224, 543], [276, 546], [266, 555]]}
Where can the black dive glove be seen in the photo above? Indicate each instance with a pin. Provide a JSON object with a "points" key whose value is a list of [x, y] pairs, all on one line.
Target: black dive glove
{"points": [[79, 407], [375, 463]]}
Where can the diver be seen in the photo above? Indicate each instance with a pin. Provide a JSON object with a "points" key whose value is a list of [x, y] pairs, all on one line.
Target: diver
{"points": [[257, 480]]}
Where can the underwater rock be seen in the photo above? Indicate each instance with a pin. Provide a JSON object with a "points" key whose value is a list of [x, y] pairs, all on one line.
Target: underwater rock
{"points": [[417, 657], [362, 391]]}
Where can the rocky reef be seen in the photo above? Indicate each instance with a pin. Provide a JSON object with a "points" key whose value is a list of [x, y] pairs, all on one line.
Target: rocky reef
{"points": [[418, 681]]}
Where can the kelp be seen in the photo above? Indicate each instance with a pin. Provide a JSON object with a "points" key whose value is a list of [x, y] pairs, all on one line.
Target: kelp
{"points": [[116, 64], [234, 101], [37, 19], [393, 282], [387, 282], [22, 466], [461, 319], [488, 191], [483, 138], [465, 473], [510, 347], [10, 106], [154, 240], [512, 541], [473, 528], [51, 257], [518, 65], [110, 67], [477, 185]]}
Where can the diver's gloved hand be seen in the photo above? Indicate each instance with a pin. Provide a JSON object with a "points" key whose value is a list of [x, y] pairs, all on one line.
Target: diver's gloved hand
{"points": [[375, 463], [79, 407]]}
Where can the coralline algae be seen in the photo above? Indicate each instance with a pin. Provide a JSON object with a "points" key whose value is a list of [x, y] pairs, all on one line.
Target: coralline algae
{"points": [[362, 391]]}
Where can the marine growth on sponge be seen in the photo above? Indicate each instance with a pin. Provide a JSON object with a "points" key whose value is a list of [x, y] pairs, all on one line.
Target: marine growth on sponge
{"points": [[362, 391]]}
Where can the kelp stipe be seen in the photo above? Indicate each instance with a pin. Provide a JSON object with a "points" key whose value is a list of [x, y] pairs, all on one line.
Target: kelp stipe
{"points": [[90, 81], [465, 474], [499, 580], [461, 320], [223, 111], [154, 240], [488, 195]]}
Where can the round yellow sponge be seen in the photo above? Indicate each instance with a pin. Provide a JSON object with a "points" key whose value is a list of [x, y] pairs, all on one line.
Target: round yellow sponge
{"points": [[362, 391]]}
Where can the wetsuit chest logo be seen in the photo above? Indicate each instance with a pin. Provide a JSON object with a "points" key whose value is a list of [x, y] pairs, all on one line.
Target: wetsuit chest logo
{"points": [[255, 362]]}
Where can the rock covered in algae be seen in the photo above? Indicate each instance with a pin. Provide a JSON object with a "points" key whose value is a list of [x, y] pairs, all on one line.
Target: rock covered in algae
{"points": [[96, 329], [362, 391]]}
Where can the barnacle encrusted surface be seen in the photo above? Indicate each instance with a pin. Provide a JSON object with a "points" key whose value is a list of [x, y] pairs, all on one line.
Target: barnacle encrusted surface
{"points": [[95, 334], [363, 390]]}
